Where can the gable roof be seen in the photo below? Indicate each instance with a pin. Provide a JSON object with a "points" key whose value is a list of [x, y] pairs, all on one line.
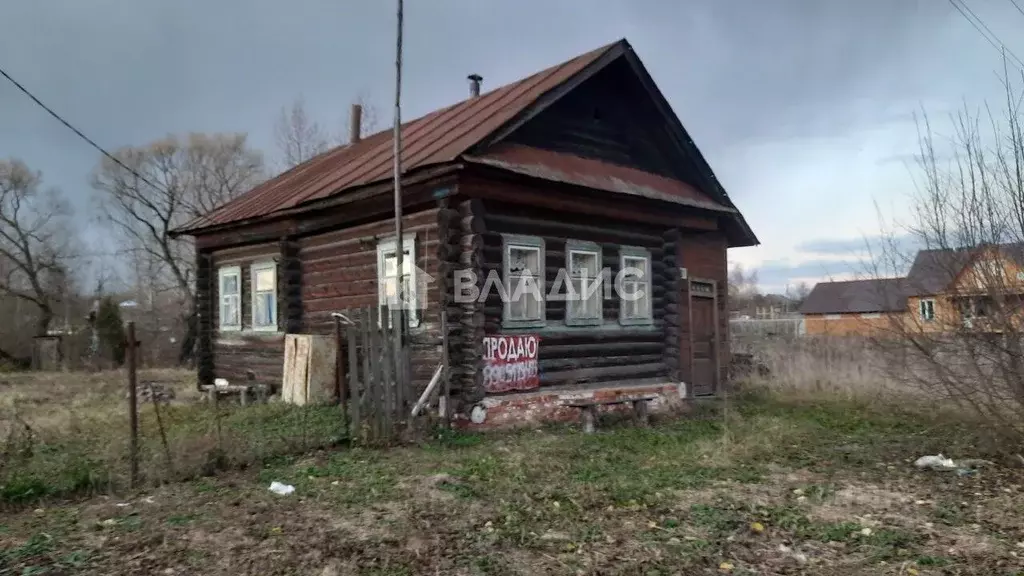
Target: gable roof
{"points": [[934, 271], [856, 297], [444, 136]]}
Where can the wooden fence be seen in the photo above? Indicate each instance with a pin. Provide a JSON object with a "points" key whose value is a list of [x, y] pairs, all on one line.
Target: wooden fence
{"points": [[374, 375]]}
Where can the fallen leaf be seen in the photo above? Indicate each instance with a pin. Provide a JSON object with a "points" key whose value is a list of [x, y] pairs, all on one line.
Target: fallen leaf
{"points": [[757, 527], [725, 567]]}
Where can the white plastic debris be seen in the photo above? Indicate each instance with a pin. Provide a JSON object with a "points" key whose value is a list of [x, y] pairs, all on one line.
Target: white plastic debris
{"points": [[281, 489], [220, 382], [935, 462]]}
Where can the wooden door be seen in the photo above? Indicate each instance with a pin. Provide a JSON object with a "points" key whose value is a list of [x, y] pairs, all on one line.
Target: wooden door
{"points": [[704, 330]]}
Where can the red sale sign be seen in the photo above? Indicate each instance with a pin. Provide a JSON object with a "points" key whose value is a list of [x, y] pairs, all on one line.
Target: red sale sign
{"points": [[510, 363]]}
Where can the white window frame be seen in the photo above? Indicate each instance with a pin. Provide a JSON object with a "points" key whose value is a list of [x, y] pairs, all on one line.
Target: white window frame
{"points": [[520, 242], [636, 252], [222, 273], [253, 270], [590, 249], [926, 304], [388, 246]]}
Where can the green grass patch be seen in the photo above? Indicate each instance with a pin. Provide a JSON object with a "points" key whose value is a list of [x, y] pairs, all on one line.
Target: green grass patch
{"points": [[92, 456]]}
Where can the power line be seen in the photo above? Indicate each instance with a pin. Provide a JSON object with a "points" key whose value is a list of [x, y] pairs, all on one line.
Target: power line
{"points": [[77, 131], [1017, 6], [987, 33]]}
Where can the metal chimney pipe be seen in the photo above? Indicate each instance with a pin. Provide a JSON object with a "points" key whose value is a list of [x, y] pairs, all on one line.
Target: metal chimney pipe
{"points": [[355, 129], [474, 84]]}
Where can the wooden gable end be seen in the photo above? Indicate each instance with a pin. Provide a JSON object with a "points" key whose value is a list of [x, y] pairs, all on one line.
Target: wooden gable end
{"points": [[614, 113], [609, 117], [990, 271]]}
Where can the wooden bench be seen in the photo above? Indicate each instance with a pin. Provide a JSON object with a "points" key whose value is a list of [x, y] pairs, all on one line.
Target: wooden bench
{"points": [[244, 392], [588, 408]]}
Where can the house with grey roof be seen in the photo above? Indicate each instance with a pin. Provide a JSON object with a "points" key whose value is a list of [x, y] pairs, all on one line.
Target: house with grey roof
{"points": [[945, 290]]}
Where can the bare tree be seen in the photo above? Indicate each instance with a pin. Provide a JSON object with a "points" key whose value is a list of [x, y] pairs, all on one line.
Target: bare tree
{"points": [[368, 123], [798, 293], [961, 339], [743, 289], [36, 241], [297, 137], [181, 179]]}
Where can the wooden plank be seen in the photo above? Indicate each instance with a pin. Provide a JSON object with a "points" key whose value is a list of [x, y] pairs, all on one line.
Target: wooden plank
{"points": [[400, 381], [354, 389], [366, 424], [340, 391], [388, 372], [373, 351]]}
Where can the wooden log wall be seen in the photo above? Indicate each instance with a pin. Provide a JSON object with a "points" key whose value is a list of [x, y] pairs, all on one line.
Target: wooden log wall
{"points": [[449, 248], [579, 356], [674, 324], [206, 278], [246, 355], [339, 272], [468, 336], [289, 281]]}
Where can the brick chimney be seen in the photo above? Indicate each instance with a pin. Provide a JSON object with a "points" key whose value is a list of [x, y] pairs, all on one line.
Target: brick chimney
{"points": [[355, 131], [474, 84]]}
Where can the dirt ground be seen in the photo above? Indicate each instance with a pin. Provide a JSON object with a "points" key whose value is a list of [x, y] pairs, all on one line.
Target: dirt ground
{"points": [[774, 488]]}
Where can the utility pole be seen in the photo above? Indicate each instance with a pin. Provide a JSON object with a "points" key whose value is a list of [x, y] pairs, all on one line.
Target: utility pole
{"points": [[397, 157], [397, 139]]}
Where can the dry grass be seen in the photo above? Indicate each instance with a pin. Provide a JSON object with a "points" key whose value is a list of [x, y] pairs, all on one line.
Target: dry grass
{"points": [[811, 476], [67, 433], [805, 488], [52, 402], [847, 368]]}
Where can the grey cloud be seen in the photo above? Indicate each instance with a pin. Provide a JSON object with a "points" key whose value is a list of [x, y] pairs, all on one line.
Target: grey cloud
{"points": [[738, 73], [774, 276]]}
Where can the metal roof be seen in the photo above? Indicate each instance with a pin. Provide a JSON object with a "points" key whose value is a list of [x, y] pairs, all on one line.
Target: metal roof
{"points": [[438, 137], [571, 169]]}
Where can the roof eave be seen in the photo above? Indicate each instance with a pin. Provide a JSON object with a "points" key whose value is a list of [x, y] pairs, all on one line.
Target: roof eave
{"points": [[420, 174]]}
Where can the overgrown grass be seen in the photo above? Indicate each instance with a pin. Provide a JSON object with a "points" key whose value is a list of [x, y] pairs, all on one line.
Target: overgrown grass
{"points": [[66, 434], [777, 487]]}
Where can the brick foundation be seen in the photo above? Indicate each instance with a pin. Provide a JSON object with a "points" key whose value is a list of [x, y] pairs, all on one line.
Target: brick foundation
{"points": [[534, 408]]}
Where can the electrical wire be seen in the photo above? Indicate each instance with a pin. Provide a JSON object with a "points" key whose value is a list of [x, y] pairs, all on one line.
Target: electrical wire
{"points": [[1017, 6], [78, 132], [987, 33]]}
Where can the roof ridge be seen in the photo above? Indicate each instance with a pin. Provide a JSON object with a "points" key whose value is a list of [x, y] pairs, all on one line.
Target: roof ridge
{"points": [[431, 142]]}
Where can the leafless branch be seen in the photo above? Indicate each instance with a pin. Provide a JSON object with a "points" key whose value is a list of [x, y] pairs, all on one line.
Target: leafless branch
{"points": [[193, 175], [966, 345], [35, 240]]}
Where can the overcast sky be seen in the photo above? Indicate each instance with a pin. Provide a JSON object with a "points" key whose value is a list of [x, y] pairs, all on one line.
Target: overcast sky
{"points": [[804, 108]]}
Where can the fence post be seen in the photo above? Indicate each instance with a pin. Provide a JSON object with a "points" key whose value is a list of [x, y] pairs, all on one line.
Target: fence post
{"points": [[340, 391], [133, 408]]}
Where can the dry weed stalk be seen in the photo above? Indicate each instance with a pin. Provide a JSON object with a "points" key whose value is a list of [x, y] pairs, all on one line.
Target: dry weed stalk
{"points": [[961, 339]]}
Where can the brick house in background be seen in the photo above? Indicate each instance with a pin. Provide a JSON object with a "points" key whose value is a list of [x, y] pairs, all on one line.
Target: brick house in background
{"points": [[580, 166], [853, 307], [946, 290]]}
